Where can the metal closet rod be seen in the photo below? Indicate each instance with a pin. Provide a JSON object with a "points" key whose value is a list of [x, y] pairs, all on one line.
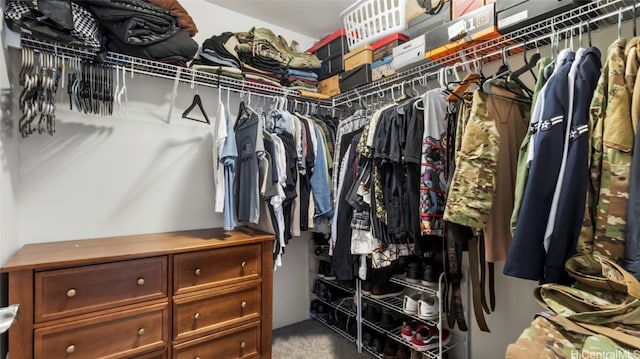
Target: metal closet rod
{"points": [[152, 68], [422, 78]]}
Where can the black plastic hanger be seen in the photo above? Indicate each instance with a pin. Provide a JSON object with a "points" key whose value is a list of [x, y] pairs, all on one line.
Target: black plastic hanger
{"points": [[529, 65], [196, 102], [505, 72]]}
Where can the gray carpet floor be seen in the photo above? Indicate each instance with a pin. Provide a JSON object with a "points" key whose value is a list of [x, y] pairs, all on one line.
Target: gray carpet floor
{"points": [[311, 339]]}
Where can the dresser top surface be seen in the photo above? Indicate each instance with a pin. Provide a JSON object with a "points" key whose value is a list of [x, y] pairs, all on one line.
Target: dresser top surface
{"points": [[78, 252]]}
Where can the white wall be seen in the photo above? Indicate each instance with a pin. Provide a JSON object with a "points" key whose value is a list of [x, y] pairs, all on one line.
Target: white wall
{"points": [[128, 174]]}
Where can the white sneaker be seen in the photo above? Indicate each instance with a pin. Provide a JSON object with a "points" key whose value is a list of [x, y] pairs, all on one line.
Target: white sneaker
{"points": [[410, 303], [428, 307]]}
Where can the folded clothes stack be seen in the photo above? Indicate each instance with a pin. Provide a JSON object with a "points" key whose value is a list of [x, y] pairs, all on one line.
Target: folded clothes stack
{"points": [[218, 55], [269, 59], [300, 79]]}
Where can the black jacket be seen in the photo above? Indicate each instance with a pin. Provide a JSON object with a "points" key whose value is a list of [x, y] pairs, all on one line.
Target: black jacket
{"points": [[134, 22]]}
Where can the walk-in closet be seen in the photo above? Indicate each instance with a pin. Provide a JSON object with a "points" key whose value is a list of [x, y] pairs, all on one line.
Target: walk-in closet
{"points": [[391, 179]]}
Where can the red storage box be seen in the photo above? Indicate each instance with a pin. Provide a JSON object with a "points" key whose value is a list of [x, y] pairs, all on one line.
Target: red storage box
{"points": [[460, 8], [384, 47]]}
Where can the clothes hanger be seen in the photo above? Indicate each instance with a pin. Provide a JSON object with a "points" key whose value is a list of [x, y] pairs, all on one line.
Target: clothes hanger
{"points": [[620, 22], [462, 85], [196, 102], [505, 72], [529, 65]]}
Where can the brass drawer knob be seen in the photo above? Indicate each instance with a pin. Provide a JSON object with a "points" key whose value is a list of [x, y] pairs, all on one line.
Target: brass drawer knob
{"points": [[196, 316], [141, 331], [196, 357], [197, 271], [243, 345], [243, 304], [71, 293], [71, 348], [243, 264]]}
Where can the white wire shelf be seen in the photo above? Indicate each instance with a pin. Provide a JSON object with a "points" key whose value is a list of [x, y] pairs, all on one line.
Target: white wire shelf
{"points": [[337, 284], [395, 335], [346, 335], [169, 71], [396, 304], [339, 304], [596, 14]]}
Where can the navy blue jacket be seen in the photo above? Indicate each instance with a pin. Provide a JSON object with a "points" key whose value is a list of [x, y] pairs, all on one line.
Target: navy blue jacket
{"points": [[527, 256], [570, 213]]}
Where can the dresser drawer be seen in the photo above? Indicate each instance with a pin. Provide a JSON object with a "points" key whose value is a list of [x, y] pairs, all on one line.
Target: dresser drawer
{"points": [[162, 354], [215, 310], [65, 292], [241, 342], [207, 269], [121, 335]]}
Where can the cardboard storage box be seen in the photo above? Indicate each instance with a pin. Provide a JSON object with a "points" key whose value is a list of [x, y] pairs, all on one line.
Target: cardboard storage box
{"points": [[357, 77], [515, 14], [330, 50], [329, 86], [384, 47], [361, 55], [424, 23], [409, 54], [382, 68], [478, 25]]}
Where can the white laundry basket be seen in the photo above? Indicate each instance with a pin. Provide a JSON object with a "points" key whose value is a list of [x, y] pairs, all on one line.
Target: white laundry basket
{"points": [[367, 21]]}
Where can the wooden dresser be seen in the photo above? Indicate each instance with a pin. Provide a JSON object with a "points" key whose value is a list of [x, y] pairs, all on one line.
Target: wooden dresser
{"points": [[203, 294]]}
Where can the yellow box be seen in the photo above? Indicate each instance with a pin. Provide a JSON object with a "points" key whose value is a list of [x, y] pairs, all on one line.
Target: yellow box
{"points": [[329, 86], [361, 55]]}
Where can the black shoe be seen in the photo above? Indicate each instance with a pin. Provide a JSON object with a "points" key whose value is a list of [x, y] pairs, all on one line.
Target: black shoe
{"points": [[372, 312], [378, 344], [414, 272], [431, 273], [389, 289], [388, 320]]}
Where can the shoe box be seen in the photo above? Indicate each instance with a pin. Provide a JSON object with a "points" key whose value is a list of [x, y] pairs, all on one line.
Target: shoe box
{"points": [[331, 50], [471, 28], [459, 8], [330, 86], [409, 54], [382, 68], [421, 20], [356, 77], [384, 47], [515, 14], [361, 55]]}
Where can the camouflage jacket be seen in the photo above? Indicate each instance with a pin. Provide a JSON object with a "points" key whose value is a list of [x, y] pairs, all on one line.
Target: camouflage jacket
{"points": [[611, 143], [263, 42]]}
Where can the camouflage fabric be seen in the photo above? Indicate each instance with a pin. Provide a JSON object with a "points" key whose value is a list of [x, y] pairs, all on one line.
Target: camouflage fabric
{"points": [[522, 171], [550, 336], [632, 53], [263, 42], [471, 192], [600, 272], [610, 162]]}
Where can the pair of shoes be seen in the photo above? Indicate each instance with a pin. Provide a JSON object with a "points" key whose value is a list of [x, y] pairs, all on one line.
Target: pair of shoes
{"points": [[387, 290], [428, 307], [322, 291], [325, 270], [372, 312], [409, 328], [319, 309], [410, 303], [388, 319], [427, 337], [425, 272]]}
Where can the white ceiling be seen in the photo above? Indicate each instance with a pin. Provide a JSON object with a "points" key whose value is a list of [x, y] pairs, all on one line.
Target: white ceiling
{"points": [[313, 18]]}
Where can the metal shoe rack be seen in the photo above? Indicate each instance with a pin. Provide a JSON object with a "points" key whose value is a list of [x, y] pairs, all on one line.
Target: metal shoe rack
{"points": [[393, 303]]}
